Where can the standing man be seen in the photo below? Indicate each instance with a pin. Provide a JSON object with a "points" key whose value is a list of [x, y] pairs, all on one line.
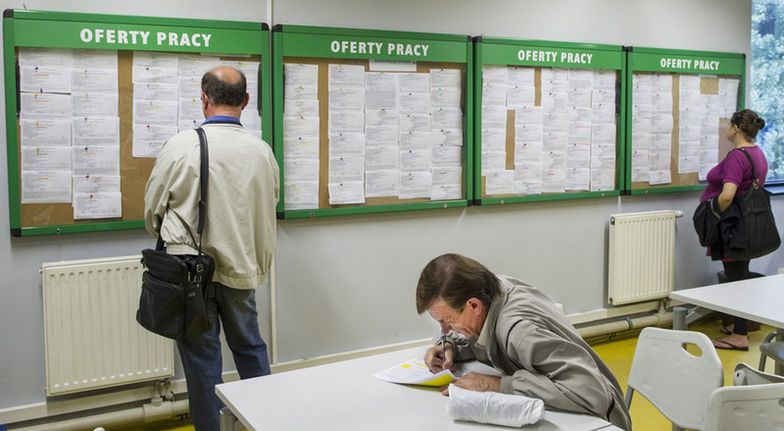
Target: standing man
{"points": [[239, 234], [513, 327]]}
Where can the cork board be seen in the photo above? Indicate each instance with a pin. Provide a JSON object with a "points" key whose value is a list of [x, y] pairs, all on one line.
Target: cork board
{"points": [[708, 85], [510, 135], [323, 97], [134, 171]]}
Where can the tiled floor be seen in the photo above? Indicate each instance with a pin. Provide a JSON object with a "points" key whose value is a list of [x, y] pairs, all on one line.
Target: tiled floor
{"points": [[618, 354]]}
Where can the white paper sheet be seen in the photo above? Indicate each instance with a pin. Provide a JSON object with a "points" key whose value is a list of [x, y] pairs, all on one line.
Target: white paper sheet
{"points": [[301, 107], [553, 101], [381, 136], [493, 161], [415, 160], [44, 79], [447, 118], [446, 175], [414, 102], [555, 121], [97, 205], [382, 183], [415, 185], [306, 147], [155, 60], [294, 127], [444, 96], [96, 184], [381, 117], [94, 80], [45, 105], [415, 140], [49, 57], [555, 140], [414, 122], [95, 104], [46, 158], [445, 78], [602, 179], [604, 79], [520, 96], [346, 169], [529, 133], [301, 91], [499, 182], [155, 112], [340, 144], [95, 58], [346, 75], [443, 192], [446, 156], [346, 121], [45, 132], [301, 74], [414, 82], [447, 137], [660, 177], [96, 131], [391, 66], [346, 98], [528, 152], [153, 132], [96, 160], [301, 170], [301, 194], [156, 75], [493, 139], [348, 192], [578, 178], [523, 76], [46, 187], [161, 92], [494, 94], [385, 157], [198, 65], [495, 74]]}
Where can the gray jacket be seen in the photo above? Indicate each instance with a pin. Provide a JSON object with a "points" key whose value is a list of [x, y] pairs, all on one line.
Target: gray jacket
{"points": [[542, 356]]}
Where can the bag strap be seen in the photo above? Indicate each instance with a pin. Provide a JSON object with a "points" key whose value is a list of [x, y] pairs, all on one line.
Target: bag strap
{"points": [[204, 175], [755, 181]]}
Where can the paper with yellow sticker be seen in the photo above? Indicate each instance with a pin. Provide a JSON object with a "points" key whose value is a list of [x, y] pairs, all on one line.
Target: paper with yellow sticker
{"points": [[415, 372]]}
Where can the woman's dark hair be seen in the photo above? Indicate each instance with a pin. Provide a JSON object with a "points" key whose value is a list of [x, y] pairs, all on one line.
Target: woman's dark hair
{"points": [[221, 92], [455, 279], [748, 122]]}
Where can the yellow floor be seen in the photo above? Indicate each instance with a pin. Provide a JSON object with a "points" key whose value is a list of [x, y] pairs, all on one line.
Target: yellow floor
{"points": [[618, 354]]}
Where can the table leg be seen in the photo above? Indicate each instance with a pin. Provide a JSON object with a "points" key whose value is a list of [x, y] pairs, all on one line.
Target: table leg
{"points": [[679, 318], [228, 422], [779, 369]]}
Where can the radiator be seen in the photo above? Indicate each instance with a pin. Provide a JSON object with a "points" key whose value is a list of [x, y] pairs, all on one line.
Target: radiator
{"points": [[92, 339], [641, 265]]}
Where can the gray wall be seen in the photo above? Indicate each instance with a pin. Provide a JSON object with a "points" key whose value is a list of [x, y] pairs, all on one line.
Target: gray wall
{"points": [[347, 283]]}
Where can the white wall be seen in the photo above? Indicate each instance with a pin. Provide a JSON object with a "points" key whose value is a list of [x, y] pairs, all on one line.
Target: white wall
{"points": [[346, 283]]}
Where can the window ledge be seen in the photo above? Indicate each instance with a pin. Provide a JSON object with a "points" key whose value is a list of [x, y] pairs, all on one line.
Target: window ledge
{"points": [[775, 189]]}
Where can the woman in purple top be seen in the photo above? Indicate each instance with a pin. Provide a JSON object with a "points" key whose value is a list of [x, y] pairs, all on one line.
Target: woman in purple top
{"points": [[732, 177]]}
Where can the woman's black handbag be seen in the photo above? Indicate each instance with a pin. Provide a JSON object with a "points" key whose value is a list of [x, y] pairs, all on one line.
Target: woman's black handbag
{"points": [[757, 225], [172, 303]]}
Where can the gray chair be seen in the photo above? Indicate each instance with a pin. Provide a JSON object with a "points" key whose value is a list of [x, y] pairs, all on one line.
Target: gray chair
{"points": [[755, 403], [772, 348]]}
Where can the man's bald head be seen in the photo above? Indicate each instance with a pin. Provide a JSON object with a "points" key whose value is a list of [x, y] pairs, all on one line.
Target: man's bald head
{"points": [[224, 86]]}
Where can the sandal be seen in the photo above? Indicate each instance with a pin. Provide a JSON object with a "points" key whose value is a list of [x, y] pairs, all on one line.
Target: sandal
{"points": [[726, 345]]}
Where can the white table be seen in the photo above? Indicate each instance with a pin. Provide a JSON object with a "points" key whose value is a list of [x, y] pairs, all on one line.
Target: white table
{"points": [[344, 396], [758, 299]]}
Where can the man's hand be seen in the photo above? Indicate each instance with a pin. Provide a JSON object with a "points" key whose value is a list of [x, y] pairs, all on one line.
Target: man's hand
{"points": [[476, 382], [440, 358]]}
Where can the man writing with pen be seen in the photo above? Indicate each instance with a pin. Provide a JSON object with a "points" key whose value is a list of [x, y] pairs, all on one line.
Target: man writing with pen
{"points": [[516, 329]]}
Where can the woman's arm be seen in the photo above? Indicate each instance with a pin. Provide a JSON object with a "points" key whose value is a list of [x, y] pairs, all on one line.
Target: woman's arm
{"points": [[727, 195]]}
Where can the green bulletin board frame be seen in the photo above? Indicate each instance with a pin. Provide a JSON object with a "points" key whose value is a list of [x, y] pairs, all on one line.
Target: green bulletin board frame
{"points": [[505, 52], [42, 29], [641, 59], [315, 42]]}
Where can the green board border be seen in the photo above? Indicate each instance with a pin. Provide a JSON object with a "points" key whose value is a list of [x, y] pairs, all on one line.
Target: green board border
{"points": [[309, 41], [502, 51], [56, 30], [645, 59]]}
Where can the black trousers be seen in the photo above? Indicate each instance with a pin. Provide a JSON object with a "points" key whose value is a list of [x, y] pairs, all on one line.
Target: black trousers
{"points": [[736, 271]]}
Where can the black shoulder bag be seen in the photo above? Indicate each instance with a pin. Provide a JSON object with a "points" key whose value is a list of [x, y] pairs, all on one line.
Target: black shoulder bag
{"points": [[172, 303], [757, 224]]}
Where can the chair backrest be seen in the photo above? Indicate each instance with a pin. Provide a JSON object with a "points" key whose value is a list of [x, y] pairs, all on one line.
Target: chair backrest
{"points": [[677, 382], [745, 375], [747, 408]]}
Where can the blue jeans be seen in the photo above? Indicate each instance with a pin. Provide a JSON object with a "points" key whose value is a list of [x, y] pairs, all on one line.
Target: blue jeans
{"points": [[201, 354]]}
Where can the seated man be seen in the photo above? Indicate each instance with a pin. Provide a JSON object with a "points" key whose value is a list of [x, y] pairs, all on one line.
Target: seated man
{"points": [[516, 329]]}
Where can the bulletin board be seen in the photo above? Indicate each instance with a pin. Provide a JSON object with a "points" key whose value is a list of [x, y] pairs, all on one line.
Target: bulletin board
{"points": [[393, 52], [542, 57], [714, 70], [72, 32]]}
